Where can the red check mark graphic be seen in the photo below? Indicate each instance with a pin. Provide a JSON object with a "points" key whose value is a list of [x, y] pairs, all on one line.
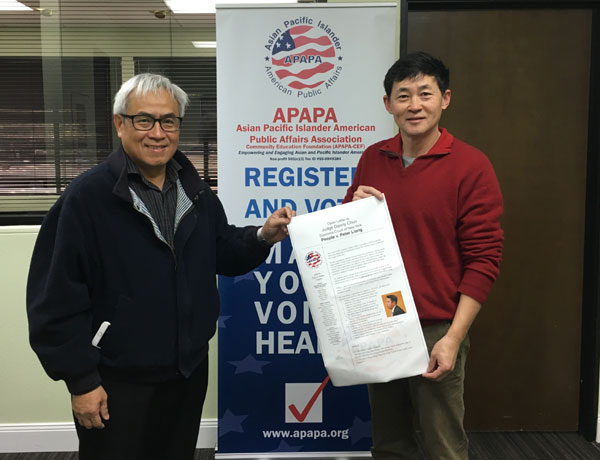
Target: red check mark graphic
{"points": [[300, 416]]}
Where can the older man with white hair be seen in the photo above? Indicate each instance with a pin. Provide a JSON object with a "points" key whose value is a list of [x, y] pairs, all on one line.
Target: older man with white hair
{"points": [[122, 295]]}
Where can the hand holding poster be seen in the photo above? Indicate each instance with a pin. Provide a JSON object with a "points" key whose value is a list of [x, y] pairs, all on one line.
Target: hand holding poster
{"points": [[360, 300]]}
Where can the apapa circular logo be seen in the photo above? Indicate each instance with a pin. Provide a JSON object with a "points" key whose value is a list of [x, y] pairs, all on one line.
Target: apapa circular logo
{"points": [[313, 259], [304, 57]]}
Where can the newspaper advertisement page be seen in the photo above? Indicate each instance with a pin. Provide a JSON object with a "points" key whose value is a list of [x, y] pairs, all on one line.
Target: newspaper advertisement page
{"points": [[358, 291]]}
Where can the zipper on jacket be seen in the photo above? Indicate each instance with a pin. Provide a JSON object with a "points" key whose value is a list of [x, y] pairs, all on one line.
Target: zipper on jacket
{"points": [[183, 216], [161, 238]]}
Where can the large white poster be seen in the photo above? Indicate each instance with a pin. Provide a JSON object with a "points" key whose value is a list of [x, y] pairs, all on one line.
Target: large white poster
{"points": [[299, 96], [360, 299]]}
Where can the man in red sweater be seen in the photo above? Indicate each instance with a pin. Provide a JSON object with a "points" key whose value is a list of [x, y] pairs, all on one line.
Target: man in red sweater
{"points": [[445, 205]]}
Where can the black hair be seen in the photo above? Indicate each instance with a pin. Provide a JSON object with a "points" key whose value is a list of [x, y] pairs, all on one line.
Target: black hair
{"points": [[414, 64], [393, 298]]}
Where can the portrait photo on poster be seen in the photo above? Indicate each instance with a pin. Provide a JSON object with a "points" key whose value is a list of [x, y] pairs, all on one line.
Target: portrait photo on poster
{"points": [[393, 303]]}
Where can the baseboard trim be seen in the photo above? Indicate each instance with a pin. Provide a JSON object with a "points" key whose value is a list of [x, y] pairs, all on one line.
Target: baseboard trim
{"points": [[61, 437]]}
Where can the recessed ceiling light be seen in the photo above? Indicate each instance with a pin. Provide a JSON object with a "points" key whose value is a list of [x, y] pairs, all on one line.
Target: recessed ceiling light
{"points": [[205, 44], [13, 5], [208, 6]]}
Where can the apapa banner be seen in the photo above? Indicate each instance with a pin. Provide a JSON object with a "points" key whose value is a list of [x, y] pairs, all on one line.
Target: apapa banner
{"points": [[299, 99]]}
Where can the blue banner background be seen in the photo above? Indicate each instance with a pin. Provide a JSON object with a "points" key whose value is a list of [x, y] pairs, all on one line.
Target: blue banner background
{"points": [[252, 384]]}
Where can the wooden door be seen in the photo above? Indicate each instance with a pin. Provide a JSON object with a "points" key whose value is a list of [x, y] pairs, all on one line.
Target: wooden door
{"points": [[519, 81]]}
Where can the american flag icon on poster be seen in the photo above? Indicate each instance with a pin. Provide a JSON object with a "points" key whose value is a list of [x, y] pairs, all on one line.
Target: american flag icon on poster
{"points": [[303, 57], [313, 259]]}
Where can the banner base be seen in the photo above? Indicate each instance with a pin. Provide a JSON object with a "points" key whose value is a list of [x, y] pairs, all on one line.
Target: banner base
{"points": [[286, 455]]}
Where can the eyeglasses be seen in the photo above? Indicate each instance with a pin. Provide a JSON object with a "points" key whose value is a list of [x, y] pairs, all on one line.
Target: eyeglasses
{"points": [[168, 124]]}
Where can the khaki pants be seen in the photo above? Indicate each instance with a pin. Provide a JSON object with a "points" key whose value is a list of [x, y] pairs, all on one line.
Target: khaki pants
{"points": [[416, 418]]}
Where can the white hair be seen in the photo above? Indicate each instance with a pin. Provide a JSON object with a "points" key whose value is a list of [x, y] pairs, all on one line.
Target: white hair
{"points": [[145, 83]]}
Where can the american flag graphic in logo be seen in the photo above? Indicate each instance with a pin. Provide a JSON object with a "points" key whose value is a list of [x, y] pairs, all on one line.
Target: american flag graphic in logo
{"points": [[313, 259], [302, 57]]}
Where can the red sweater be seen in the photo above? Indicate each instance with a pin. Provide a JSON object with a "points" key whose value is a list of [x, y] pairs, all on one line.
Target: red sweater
{"points": [[446, 210]]}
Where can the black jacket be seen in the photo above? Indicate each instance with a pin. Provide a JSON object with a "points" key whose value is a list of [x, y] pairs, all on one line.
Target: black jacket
{"points": [[98, 259]]}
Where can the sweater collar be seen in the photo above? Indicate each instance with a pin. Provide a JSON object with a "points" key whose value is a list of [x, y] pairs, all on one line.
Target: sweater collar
{"points": [[188, 176], [393, 147]]}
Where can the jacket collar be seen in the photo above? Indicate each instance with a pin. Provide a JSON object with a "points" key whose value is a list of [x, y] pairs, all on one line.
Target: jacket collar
{"points": [[393, 147], [191, 182]]}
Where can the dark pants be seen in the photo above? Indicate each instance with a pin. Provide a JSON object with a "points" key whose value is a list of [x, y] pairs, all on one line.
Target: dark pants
{"points": [[148, 421], [416, 418]]}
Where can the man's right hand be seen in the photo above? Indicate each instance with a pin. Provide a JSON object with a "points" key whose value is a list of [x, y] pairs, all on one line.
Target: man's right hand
{"points": [[91, 408], [364, 191]]}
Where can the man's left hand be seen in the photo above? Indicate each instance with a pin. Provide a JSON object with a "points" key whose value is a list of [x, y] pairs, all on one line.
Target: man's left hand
{"points": [[443, 358], [275, 228]]}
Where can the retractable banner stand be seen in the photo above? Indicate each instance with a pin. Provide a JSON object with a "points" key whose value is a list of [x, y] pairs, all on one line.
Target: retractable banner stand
{"points": [[299, 98]]}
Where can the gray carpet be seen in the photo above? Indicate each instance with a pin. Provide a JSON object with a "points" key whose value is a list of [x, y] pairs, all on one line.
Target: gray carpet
{"points": [[484, 446]]}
